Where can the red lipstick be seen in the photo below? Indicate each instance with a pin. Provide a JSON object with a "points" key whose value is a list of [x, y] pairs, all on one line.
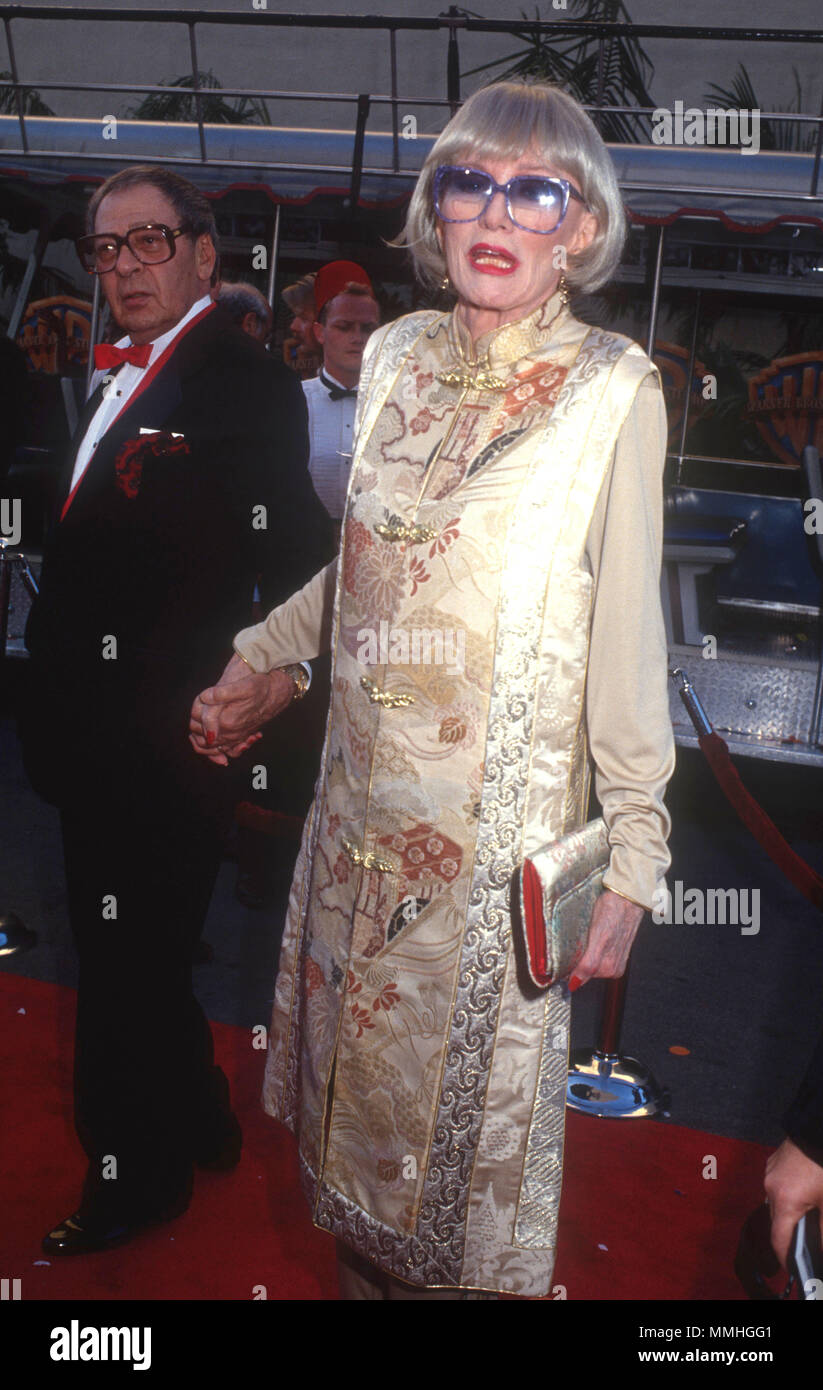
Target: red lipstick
{"points": [[492, 260]]}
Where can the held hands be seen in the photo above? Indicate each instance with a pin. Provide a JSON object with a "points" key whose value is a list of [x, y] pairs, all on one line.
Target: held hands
{"points": [[226, 718], [794, 1185], [613, 928]]}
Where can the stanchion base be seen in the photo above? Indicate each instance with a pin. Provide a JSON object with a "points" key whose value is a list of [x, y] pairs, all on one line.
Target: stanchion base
{"points": [[606, 1084], [14, 934]]}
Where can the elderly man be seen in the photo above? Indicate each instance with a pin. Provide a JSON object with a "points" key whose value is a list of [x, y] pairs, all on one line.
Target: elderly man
{"points": [[247, 307], [186, 483], [347, 315]]}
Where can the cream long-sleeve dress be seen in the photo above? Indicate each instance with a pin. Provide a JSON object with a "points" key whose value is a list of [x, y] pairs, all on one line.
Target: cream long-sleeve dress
{"points": [[495, 621]]}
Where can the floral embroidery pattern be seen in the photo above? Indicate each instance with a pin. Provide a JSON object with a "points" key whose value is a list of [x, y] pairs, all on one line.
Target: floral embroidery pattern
{"points": [[537, 389], [362, 1019], [418, 574], [458, 725], [372, 573], [314, 977], [449, 534], [342, 868], [420, 423], [357, 541], [387, 998], [425, 856]]}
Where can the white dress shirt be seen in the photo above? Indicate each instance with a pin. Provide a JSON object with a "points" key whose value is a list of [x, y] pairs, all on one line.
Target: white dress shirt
{"points": [[331, 427], [121, 390]]}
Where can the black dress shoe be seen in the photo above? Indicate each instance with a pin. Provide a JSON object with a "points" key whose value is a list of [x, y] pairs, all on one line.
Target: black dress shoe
{"points": [[77, 1236], [71, 1237]]}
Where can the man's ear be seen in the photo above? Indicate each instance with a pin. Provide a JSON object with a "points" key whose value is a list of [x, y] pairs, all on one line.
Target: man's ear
{"points": [[205, 257], [318, 332]]}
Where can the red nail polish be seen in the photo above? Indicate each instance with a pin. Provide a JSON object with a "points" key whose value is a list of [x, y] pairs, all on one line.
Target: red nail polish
{"points": [[211, 737], [574, 983]]}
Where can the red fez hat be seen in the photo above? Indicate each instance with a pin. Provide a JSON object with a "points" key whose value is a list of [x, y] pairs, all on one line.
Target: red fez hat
{"points": [[333, 278]]}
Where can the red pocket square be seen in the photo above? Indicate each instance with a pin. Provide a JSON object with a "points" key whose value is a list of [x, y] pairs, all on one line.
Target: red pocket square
{"points": [[128, 465]]}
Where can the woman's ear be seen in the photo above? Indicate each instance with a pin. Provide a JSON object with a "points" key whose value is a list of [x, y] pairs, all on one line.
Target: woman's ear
{"points": [[584, 234]]}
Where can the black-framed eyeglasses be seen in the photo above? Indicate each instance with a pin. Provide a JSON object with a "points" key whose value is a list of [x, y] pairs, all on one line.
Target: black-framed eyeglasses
{"points": [[535, 202], [150, 244]]}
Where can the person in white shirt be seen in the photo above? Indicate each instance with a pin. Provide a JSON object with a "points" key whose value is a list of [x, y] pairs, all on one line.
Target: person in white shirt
{"points": [[347, 315]]}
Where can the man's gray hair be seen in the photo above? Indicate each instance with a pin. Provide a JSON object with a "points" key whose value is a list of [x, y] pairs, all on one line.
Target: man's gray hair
{"points": [[504, 122], [192, 207], [239, 298]]}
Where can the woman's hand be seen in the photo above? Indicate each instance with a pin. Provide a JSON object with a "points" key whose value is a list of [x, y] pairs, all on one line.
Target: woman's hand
{"points": [[226, 718], [613, 928], [794, 1185]]}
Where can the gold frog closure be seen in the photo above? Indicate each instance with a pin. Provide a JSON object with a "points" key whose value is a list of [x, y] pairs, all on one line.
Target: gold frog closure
{"points": [[382, 697], [399, 531], [472, 376]]}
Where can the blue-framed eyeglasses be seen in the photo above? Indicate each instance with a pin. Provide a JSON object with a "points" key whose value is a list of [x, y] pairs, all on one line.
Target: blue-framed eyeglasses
{"points": [[535, 202]]}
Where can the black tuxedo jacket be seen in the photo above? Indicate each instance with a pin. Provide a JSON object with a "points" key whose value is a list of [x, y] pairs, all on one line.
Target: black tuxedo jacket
{"points": [[159, 550]]}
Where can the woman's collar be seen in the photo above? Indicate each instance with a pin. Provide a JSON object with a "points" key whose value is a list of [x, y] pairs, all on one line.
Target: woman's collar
{"points": [[503, 346]]}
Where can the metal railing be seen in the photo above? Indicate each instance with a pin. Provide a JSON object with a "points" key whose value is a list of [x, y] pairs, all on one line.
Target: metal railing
{"points": [[450, 23]]}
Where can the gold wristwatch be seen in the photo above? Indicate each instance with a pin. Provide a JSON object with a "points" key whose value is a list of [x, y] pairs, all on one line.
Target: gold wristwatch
{"points": [[301, 678]]}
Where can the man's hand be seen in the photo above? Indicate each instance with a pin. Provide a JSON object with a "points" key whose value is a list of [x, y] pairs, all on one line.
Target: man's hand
{"points": [[794, 1185], [226, 718], [613, 928]]}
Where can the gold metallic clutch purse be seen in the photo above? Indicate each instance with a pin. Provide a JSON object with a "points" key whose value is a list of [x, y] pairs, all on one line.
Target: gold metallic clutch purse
{"points": [[559, 885]]}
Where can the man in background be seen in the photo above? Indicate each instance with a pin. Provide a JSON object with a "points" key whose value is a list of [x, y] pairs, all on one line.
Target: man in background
{"points": [[247, 307], [342, 315], [300, 350], [347, 315]]}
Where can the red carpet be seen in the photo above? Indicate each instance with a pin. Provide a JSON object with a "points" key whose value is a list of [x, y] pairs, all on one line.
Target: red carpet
{"points": [[639, 1220]]}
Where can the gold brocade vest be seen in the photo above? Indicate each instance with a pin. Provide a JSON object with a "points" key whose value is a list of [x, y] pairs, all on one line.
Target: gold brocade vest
{"points": [[424, 1077]]}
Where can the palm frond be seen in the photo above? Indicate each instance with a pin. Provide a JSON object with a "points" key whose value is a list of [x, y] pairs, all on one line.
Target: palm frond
{"points": [[181, 104], [574, 63], [774, 135], [33, 104]]}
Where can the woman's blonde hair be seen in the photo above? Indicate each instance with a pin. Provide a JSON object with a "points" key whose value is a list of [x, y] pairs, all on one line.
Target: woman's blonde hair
{"points": [[506, 121]]}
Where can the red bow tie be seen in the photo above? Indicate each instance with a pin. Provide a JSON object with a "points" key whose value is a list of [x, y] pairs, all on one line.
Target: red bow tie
{"points": [[106, 356]]}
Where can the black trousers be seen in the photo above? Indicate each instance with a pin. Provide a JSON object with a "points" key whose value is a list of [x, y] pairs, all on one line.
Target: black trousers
{"points": [[141, 862]]}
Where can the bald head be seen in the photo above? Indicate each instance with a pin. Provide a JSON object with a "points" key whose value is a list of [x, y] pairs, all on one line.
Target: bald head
{"points": [[249, 308]]}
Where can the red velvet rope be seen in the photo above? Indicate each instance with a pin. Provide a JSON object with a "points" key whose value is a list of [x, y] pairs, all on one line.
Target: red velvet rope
{"points": [[764, 830]]}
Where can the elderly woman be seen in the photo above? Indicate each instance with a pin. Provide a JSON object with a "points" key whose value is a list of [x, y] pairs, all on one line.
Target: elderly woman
{"points": [[495, 622]]}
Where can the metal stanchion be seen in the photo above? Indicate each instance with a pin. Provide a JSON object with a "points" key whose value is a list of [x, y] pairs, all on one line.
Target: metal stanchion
{"points": [[602, 1082]]}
